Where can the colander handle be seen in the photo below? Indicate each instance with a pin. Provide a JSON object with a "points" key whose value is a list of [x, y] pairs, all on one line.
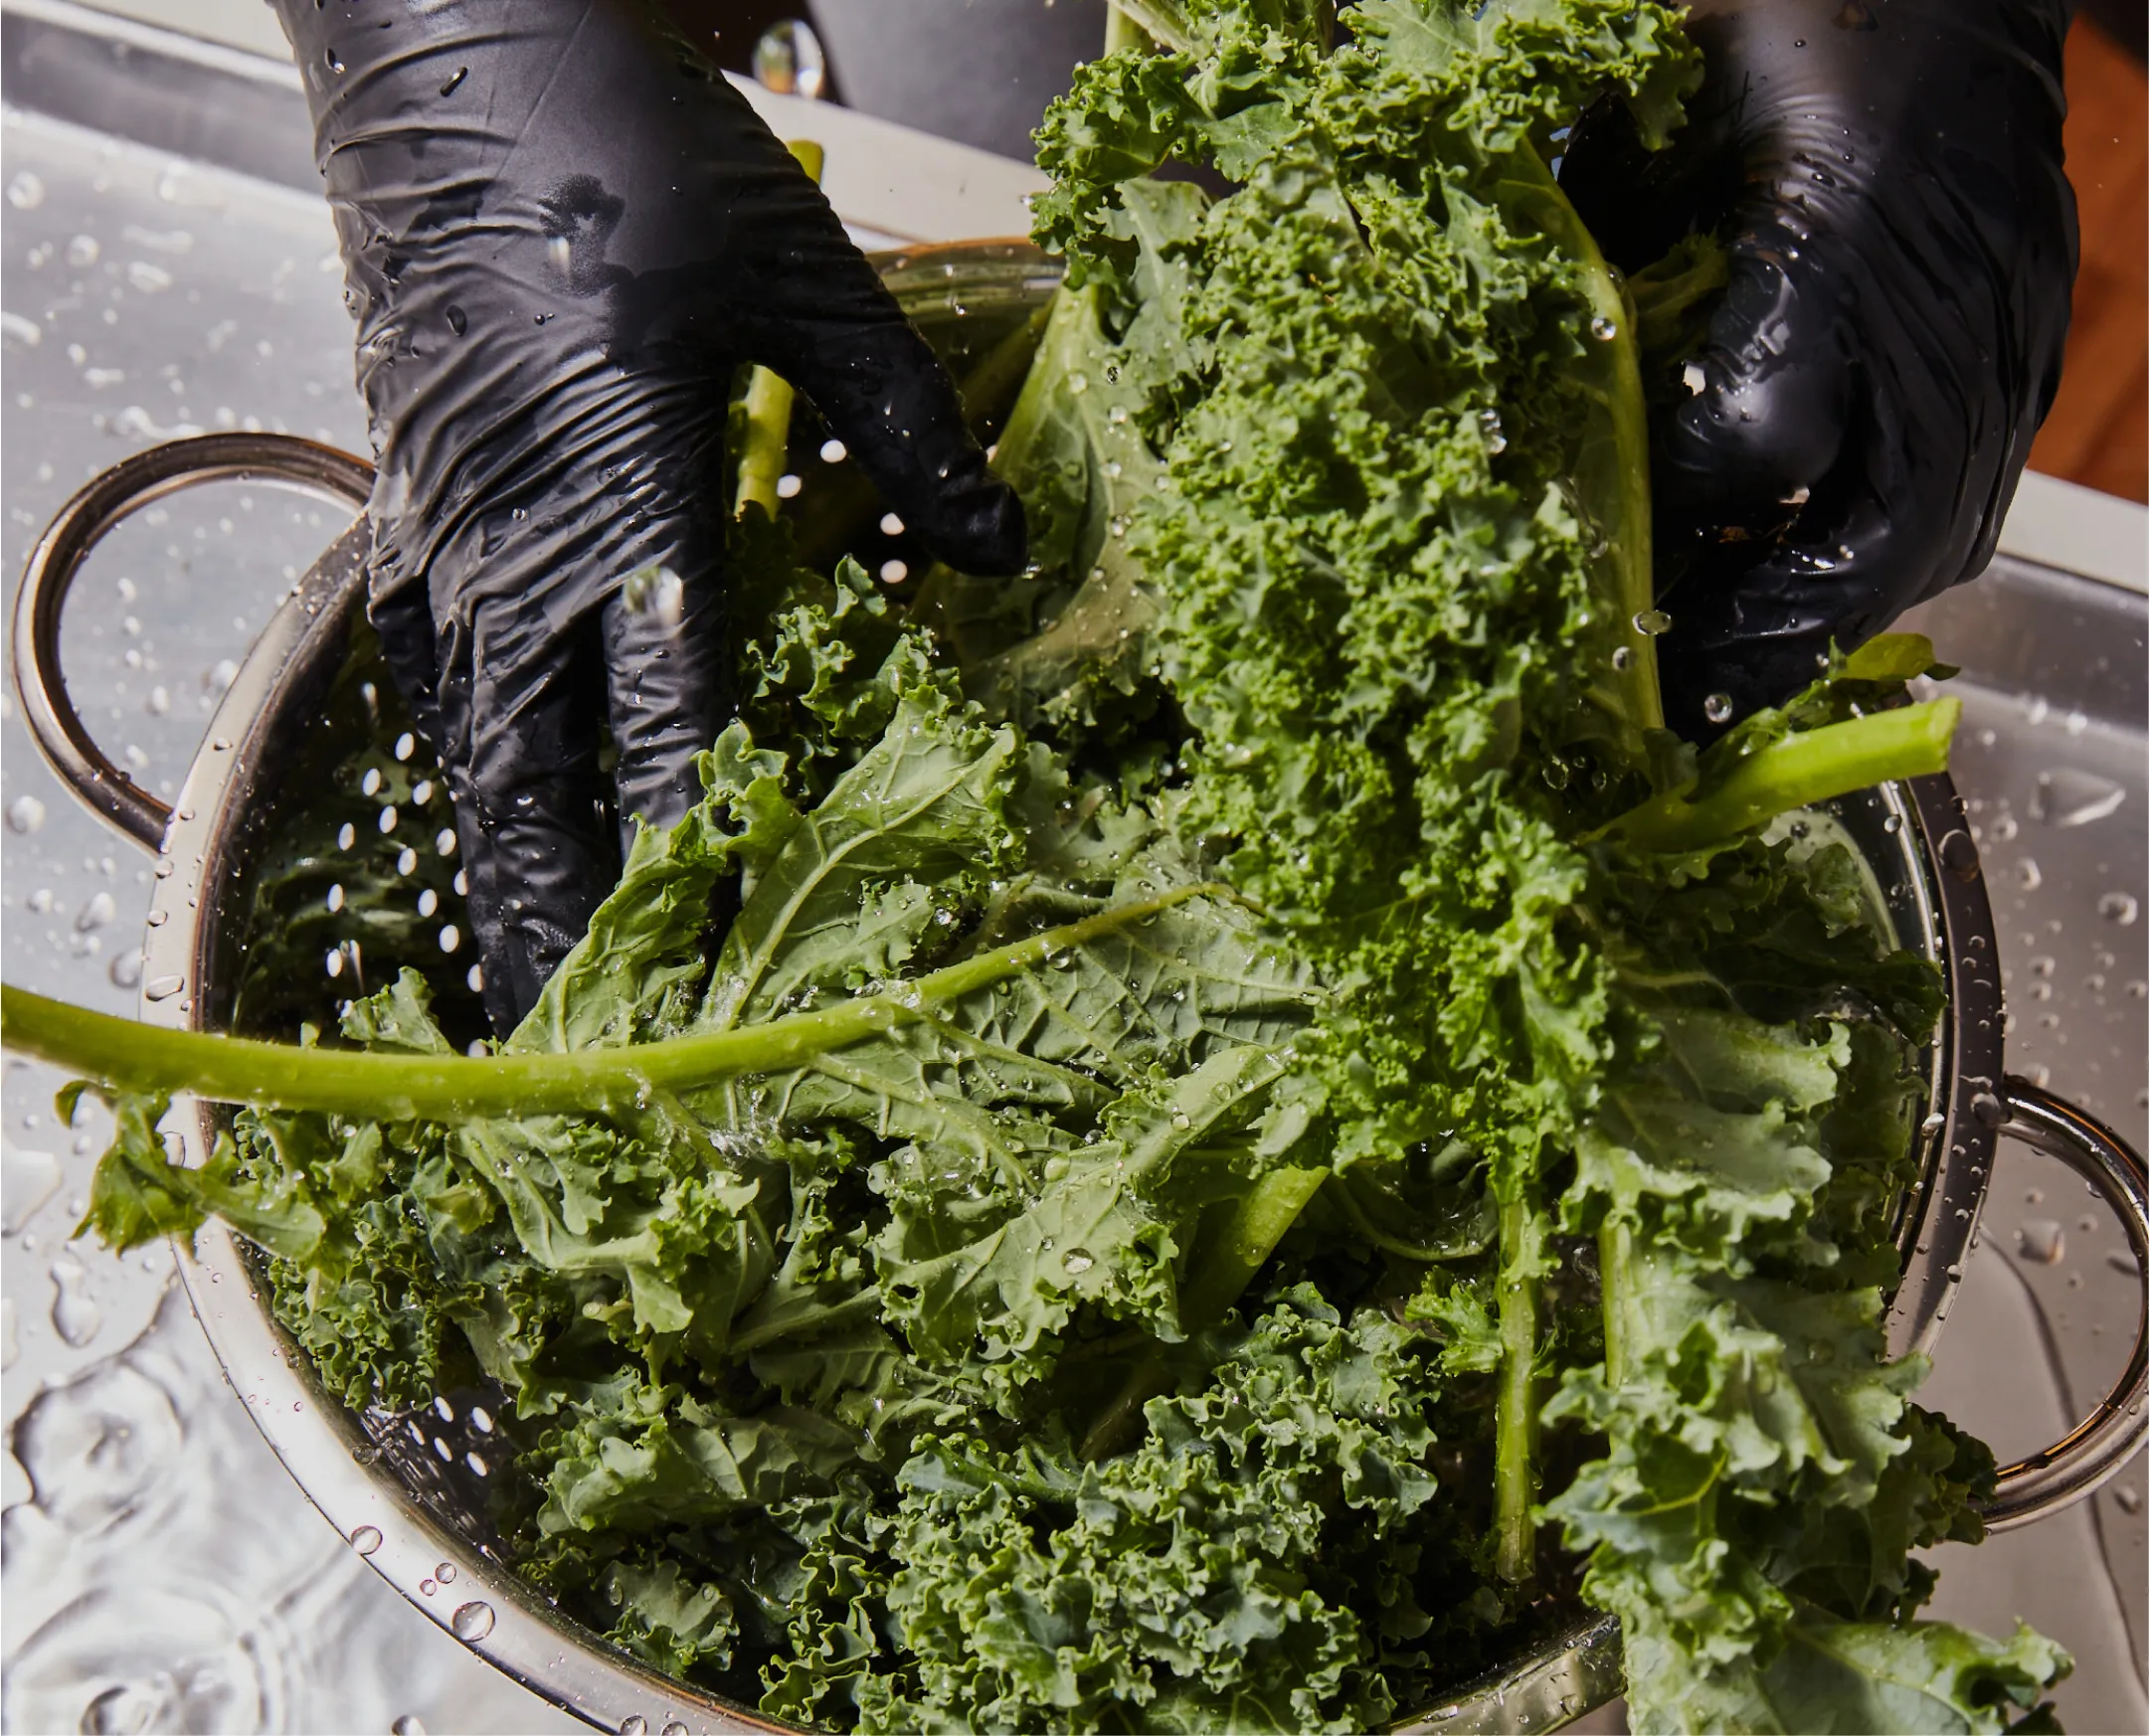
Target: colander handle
{"points": [[2097, 1447], [128, 486]]}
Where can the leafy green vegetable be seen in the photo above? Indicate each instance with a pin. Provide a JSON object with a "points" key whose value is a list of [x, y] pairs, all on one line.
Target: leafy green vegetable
{"points": [[1252, 1123]]}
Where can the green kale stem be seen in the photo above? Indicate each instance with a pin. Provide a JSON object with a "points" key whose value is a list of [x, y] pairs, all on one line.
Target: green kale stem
{"points": [[1227, 1265], [1615, 1255], [769, 398], [1610, 471], [1515, 1422], [370, 1086], [1803, 769]]}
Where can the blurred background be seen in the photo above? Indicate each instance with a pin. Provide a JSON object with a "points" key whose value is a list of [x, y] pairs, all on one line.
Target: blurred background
{"points": [[170, 268]]}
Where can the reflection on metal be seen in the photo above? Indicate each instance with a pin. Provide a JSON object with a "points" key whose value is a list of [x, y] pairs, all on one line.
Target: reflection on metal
{"points": [[2098, 1448], [128, 486]]}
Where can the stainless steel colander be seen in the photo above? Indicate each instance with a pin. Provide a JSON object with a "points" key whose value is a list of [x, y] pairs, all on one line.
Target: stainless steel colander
{"points": [[408, 1490]]}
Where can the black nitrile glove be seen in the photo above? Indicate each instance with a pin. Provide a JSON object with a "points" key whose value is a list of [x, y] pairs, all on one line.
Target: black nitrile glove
{"points": [[1889, 176], [562, 230]]}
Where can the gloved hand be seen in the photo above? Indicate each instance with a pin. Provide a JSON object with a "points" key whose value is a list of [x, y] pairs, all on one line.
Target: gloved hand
{"points": [[560, 232], [1903, 251]]}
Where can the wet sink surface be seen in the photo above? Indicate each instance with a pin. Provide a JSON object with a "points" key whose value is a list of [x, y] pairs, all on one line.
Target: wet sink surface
{"points": [[168, 1575]]}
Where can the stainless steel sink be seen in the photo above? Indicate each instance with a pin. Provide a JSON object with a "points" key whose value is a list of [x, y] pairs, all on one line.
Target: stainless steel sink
{"points": [[168, 266]]}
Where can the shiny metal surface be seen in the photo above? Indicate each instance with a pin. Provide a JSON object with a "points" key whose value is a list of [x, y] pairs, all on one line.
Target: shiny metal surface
{"points": [[97, 508], [162, 1542], [2097, 1448]]}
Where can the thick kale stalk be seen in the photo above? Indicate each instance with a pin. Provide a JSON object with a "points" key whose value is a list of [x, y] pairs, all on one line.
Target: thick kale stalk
{"points": [[127, 1054]]}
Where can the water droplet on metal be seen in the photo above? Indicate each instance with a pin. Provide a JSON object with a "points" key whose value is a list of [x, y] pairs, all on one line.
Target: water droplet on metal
{"points": [[407, 1725], [634, 1724], [366, 1539], [24, 815], [2042, 1241], [163, 987], [2123, 908], [472, 1622], [2070, 797], [76, 1314], [2128, 1498], [1958, 855]]}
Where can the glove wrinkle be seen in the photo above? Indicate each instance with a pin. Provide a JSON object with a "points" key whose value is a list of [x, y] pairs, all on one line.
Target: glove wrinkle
{"points": [[563, 232]]}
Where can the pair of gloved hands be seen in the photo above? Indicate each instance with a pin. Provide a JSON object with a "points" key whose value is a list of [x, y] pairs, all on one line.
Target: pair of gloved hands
{"points": [[562, 230]]}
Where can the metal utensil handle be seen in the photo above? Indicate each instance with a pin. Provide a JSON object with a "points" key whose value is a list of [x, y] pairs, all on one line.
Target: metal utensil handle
{"points": [[2097, 1447], [129, 485]]}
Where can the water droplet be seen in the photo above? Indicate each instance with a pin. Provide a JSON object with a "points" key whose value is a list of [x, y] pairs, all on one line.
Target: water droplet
{"points": [[84, 252], [1077, 1262], [163, 987], [674, 1728], [2042, 1241], [833, 451], [1717, 708], [2123, 908], [2128, 1498], [1623, 657], [2027, 875], [1988, 1108], [2068, 797], [451, 937], [1652, 623], [126, 971], [788, 60], [94, 915], [26, 192], [893, 572], [1603, 329], [445, 1573], [366, 1539], [634, 1724], [1958, 855], [76, 1314], [407, 1725], [24, 815]]}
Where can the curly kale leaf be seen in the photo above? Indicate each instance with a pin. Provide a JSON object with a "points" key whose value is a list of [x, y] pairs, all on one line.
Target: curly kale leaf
{"points": [[1247, 1567]]}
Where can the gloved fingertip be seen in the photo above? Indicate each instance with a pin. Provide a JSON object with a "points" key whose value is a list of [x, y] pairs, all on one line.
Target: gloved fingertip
{"points": [[977, 526]]}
